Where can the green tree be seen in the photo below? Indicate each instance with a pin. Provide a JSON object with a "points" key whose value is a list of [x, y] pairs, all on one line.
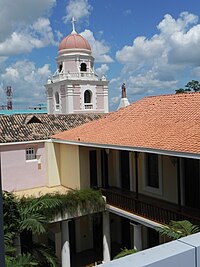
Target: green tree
{"points": [[190, 86], [193, 86]]}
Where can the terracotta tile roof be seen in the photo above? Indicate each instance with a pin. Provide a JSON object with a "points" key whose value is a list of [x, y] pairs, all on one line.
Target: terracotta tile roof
{"points": [[29, 127], [167, 122]]}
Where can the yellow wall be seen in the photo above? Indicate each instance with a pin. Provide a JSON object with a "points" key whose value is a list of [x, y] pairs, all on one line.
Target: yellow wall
{"points": [[69, 166], [113, 168], [85, 166], [169, 180], [53, 163]]}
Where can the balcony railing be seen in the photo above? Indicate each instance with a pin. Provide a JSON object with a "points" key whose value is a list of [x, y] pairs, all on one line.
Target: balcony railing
{"points": [[157, 211], [73, 76]]}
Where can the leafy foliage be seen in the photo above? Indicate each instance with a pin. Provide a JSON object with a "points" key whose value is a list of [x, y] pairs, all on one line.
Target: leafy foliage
{"points": [[124, 253], [178, 229], [31, 216], [190, 86], [24, 260]]}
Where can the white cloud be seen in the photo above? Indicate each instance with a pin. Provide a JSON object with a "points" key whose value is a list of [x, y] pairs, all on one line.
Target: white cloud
{"points": [[157, 63], [99, 48], [24, 25], [27, 82], [35, 36], [20, 13], [141, 51], [77, 8], [102, 70]]}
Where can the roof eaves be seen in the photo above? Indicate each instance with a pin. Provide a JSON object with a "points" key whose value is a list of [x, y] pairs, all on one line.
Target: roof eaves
{"points": [[130, 148]]}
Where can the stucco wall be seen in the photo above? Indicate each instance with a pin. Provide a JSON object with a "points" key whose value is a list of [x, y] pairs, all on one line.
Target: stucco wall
{"points": [[19, 173], [69, 166], [168, 183], [53, 163]]}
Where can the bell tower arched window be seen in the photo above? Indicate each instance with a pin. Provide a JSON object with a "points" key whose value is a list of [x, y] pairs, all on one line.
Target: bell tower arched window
{"points": [[60, 68], [57, 101], [88, 99], [83, 67]]}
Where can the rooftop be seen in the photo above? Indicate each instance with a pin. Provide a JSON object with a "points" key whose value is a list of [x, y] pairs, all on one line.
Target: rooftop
{"points": [[166, 122], [30, 127]]}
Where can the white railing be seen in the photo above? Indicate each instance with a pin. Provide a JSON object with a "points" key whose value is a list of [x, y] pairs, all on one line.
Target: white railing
{"points": [[88, 106], [74, 76]]}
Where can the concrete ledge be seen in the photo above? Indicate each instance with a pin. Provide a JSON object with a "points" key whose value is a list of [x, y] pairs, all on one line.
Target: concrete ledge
{"points": [[184, 252]]}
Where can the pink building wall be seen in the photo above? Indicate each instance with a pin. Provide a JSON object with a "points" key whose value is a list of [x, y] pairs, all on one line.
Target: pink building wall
{"points": [[100, 97], [19, 173]]}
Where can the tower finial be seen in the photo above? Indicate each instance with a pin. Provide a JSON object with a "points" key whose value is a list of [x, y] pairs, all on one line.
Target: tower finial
{"points": [[73, 26]]}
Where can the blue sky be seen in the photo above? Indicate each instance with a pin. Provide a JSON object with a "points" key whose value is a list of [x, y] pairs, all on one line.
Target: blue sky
{"points": [[151, 45]]}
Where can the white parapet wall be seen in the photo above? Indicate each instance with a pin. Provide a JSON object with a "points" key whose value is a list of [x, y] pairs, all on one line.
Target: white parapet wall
{"points": [[184, 252]]}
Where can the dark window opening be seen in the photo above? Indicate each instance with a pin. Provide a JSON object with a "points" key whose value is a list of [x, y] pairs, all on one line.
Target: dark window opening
{"points": [[87, 96], [60, 67], [192, 183], [125, 170], [152, 170], [83, 67]]}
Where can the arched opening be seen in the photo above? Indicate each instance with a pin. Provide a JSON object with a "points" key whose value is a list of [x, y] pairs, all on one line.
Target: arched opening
{"points": [[57, 101], [88, 99], [60, 67], [87, 96], [83, 67]]}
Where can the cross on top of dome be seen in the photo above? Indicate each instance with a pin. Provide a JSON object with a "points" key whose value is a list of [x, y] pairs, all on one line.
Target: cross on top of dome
{"points": [[73, 26]]}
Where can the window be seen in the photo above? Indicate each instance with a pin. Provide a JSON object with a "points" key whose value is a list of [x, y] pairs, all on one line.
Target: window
{"points": [[83, 67], [57, 101], [152, 170], [153, 173], [88, 99], [30, 153], [60, 68], [87, 96]]}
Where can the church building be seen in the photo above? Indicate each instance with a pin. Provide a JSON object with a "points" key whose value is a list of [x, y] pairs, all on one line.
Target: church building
{"points": [[75, 87]]}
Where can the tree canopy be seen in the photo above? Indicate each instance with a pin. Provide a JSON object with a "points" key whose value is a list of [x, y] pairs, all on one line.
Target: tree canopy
{"points": [[192, 86]]}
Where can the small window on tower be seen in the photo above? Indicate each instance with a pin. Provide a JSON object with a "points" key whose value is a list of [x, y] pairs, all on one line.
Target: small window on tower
{"points": [[87, 96], [60, 67], [88, 99], [83, 67], [57, 101], [30, 153]]}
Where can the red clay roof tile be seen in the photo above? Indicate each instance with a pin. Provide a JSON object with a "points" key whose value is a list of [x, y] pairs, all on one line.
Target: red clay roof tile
{"points": [[167, 122]]}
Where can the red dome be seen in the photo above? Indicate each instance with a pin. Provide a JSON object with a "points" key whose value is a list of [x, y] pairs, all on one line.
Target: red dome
{"points": [[74, 41]]}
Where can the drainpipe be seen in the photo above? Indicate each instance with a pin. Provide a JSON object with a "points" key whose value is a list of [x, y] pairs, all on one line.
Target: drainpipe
{"points": [[2, 253]]}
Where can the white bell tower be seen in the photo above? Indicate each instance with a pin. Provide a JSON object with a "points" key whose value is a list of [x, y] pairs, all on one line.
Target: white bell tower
{"points": [[75, 87]]}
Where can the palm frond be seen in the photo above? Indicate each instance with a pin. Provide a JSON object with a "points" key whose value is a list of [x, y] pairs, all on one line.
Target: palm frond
{"points": [[45, 254], [35, 223], [24, 260], [178, 229]]}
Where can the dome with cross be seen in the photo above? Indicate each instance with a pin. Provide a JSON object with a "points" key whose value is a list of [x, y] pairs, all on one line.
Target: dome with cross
{"points": [[74, 41]]}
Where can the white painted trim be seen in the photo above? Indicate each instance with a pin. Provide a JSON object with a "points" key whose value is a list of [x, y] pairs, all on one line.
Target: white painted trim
{"points": [[133, 217], [24, 142], [131, 148]]}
